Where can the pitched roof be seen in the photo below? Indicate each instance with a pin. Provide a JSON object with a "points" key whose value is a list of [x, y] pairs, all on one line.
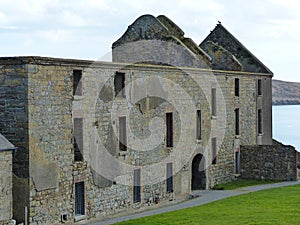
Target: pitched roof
{"points": [[222, 37], [5, 144], [148, 27]]}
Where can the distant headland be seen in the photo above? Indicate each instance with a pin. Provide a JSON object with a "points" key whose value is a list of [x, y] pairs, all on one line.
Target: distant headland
{"points": [[285, 93]]}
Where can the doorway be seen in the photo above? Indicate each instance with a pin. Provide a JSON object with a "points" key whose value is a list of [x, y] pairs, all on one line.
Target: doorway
{"points": [[198, 173]]}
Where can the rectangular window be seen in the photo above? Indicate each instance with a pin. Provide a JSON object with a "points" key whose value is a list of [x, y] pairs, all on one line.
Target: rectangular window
{"points": [[122, 134], [169, 177], [119, 84], [237, 87], [198, 125], [237, 162], [137, 185], [169, 126], [78, 139], [79, 199], [214, 150], [259, 87], [259, 121], [237, 121], [214, 102], [77, 82]]}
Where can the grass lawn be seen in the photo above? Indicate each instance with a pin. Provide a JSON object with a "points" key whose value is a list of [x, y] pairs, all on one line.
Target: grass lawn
{"points": [[273, 206], [241, 183]]}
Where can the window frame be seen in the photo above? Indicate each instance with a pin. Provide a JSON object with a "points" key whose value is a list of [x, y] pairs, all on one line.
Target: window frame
{"points": [[169, 176], [122, 133], [79, 202], [214, 150], [119, 84], [169, 130], [259, 121], [77, 83], [237, 121], [78, 139], [214, 102], [236, 87], [259, 87], [198, 125], [137, 185]]}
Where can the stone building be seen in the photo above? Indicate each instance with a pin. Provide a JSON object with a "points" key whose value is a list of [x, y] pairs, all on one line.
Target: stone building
{"points": [[165, 118], [6, 199]]}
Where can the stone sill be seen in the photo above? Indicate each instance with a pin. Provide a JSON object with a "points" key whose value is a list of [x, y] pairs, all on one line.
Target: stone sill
{"points": [[198, 141], [122, 153], [78, 97], [169, 149], [213, 117], [120, 99], [79, 218]]}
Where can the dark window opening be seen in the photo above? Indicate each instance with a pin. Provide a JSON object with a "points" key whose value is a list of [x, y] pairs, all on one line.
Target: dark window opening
{"points": [[77, 82], [122, 134], [119, 83], [137, 185], [259, 87], [259, 121], [213, 101], [237, 162], [169, 177], [79, 199], [237, 121], [78, 139], [214, 150], [198, 126], [169, 126], [237, 87]]}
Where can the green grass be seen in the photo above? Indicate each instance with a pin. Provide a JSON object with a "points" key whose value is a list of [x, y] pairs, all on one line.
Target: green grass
{"points": [[241, 183], [272, 206]]}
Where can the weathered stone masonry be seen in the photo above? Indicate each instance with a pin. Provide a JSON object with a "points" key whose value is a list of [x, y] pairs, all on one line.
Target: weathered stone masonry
{"points": [[6, 151], [61, 170], [269, 162]]}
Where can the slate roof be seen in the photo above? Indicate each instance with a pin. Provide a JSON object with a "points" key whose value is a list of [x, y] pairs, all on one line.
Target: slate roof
{"points": [[5, 144], [220, 50], [222, 37]]}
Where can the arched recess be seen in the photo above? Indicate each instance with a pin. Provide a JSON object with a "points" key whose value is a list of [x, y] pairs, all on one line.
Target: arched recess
{"points": [[198, 173]]}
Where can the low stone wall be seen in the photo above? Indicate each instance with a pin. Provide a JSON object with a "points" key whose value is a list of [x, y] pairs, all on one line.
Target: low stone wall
{"points": [[269, 162]]}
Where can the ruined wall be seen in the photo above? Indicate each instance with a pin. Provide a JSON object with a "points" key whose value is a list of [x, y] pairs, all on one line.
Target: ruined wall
{"points": [[52, 107], [14, 125], [269, 162], [50, 97], [6, 187], [246, 102], [140, 112]]}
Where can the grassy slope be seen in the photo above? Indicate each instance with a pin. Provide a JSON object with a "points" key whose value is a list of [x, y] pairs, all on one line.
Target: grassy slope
{"points": [[241, 183], [273, 206]]}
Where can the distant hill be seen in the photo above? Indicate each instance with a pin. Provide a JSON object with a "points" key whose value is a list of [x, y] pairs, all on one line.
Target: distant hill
{"points": [[285, 93]]}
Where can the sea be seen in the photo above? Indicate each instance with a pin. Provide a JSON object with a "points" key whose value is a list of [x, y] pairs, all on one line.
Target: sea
{"points": [[286, 124]]}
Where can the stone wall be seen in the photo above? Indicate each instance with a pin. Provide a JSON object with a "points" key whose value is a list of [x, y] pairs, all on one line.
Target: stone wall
{"points": [[269, 162], [52, 107], [14, 126], [5, 187]]}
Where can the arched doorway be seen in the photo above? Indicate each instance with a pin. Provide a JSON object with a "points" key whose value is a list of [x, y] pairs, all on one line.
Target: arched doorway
{"points": [[198, 173]]}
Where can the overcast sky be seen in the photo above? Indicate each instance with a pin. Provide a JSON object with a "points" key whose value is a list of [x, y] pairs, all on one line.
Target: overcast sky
{"points": [[86, 29]]}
